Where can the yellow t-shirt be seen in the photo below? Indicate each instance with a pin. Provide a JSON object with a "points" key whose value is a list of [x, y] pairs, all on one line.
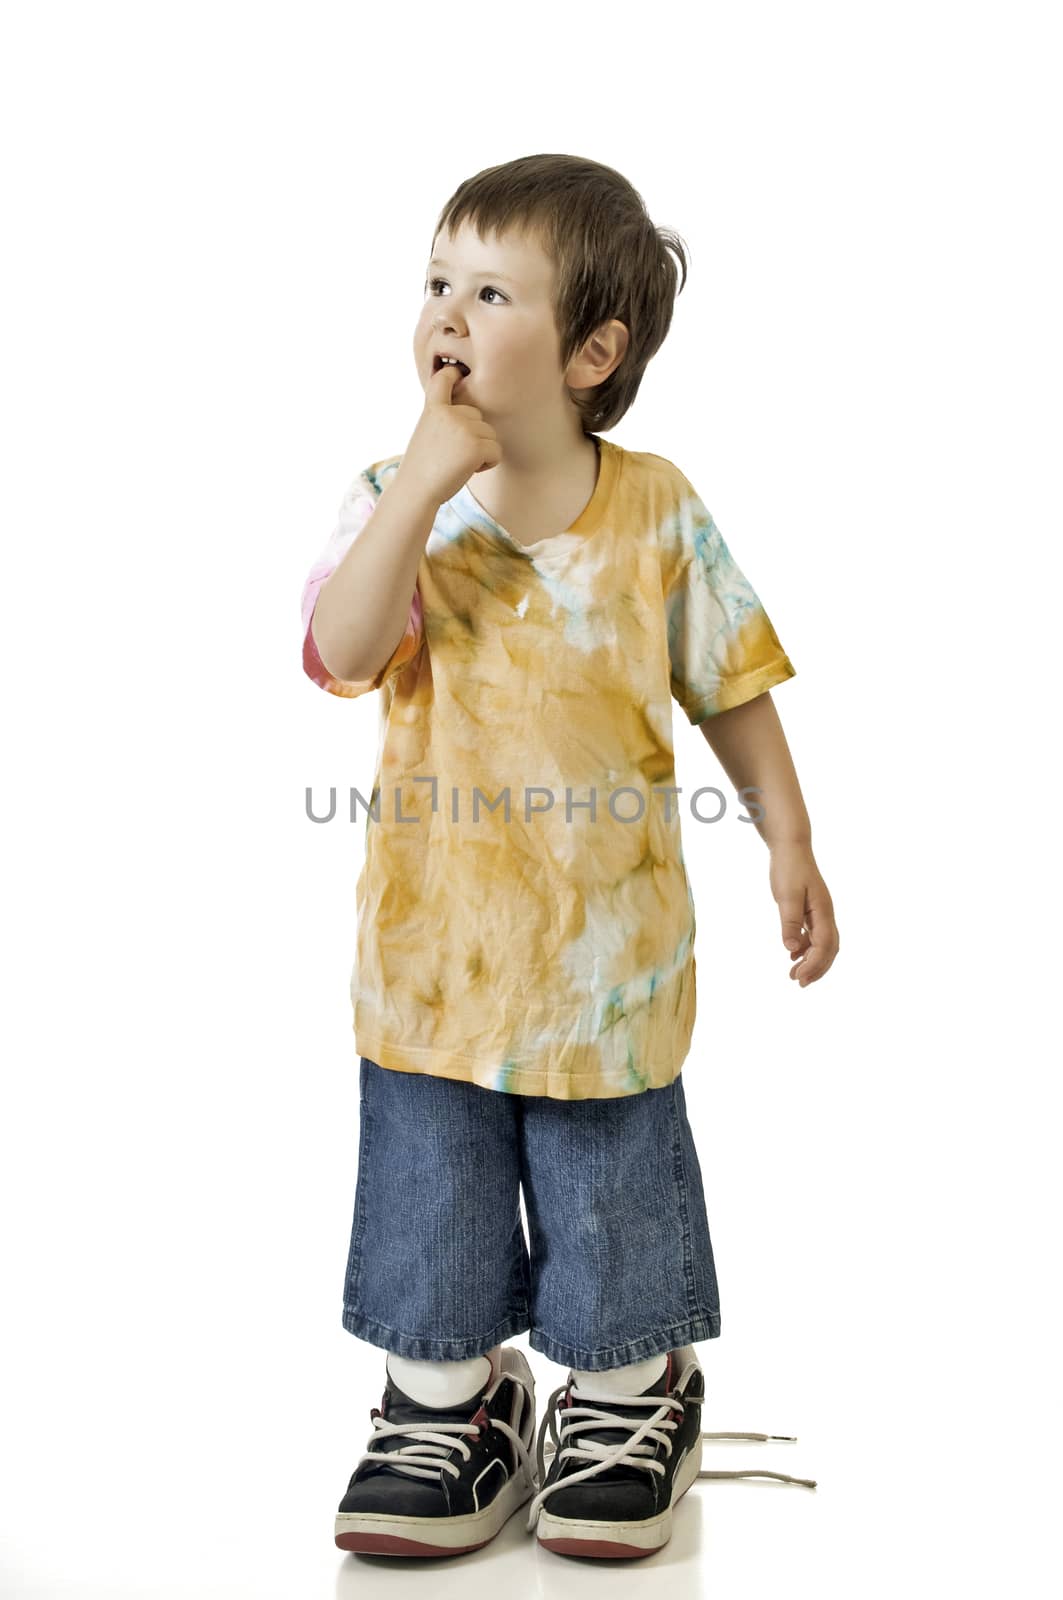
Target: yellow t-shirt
{"points": [[525, 921]]}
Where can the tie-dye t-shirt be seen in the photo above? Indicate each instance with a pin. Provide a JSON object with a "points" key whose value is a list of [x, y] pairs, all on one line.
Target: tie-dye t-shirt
{"points": [[525, 921]]}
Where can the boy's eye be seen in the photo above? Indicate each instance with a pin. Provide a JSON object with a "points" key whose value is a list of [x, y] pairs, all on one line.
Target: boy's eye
{"points": [[487, 289]]}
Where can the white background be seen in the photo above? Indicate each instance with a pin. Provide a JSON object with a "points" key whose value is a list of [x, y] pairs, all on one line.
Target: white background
{"points": [[217, 220]]}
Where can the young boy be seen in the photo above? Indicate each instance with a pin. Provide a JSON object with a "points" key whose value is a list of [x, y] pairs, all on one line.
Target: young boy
{"points": [[529, 597]]}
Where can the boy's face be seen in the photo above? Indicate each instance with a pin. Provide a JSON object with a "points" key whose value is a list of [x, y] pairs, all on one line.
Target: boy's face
{"points": [[491, 303]]}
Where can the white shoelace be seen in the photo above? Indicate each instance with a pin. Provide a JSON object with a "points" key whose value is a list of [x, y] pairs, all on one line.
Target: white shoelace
{"points": [[638, 1451], [425, 1457]]}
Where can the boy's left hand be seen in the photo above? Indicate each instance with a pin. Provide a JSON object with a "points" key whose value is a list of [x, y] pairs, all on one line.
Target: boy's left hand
{"points": [[807, 912]]}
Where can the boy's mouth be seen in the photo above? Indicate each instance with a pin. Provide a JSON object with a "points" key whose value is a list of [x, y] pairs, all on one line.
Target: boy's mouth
{"points": [[438, 362]]}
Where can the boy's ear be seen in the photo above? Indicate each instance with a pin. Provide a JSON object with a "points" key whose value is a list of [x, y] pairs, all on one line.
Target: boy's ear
{"points": [[601, 354]]}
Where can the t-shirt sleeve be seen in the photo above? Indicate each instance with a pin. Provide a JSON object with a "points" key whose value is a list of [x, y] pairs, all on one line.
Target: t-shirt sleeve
{"points": [[722, 647], [355, 510]]}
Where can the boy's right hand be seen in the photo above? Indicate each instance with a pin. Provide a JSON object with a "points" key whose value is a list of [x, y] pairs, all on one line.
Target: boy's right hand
{"points": [[449, 443]]}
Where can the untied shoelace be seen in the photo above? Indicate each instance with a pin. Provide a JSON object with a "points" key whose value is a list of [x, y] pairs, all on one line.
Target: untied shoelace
{"points": [[638, 1451]]}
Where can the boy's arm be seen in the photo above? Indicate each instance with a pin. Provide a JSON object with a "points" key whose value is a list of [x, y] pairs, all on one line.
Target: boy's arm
{"points": [[362, 609], [749, 743]]}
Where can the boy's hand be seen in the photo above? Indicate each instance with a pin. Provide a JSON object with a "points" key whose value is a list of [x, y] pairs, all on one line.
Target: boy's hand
{"points": [[449, 443], [808, 927]]}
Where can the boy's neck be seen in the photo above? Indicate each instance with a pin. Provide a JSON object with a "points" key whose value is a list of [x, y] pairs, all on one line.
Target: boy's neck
{"points": [[532, 506]]}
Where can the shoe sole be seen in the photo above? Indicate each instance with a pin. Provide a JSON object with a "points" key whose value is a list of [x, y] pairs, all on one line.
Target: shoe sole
{"points": [[377, 1533], [571, 1536]]}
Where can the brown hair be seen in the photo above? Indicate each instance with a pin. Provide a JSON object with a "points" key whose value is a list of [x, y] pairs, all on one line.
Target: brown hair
{"points": [[611, 260]]}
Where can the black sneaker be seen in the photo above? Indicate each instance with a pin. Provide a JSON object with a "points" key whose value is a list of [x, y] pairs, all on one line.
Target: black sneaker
{"points": [[441, 1480], [608, 1495]]}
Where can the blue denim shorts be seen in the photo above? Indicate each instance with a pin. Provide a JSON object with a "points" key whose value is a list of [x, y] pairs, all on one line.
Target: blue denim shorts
{"points": [[620, 1267]]}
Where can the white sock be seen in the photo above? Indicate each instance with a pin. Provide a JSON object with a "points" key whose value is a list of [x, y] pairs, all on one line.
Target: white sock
{"points": [[634, 1379], [443, 1383]]}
